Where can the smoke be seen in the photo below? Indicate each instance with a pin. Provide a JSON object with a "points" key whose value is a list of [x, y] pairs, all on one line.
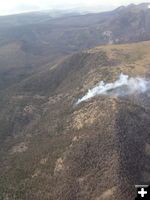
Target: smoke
{"points": [[121, 87]]}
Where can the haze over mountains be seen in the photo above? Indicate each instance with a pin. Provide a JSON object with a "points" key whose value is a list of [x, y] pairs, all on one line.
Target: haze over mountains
{"points": [[51, 149], [37, 38]]}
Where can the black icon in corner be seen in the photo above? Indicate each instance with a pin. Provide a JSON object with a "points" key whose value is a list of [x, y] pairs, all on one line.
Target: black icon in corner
{"points": [[143, 192]]}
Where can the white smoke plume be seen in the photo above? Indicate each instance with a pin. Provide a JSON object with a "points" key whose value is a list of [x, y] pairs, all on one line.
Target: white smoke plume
{"points": [[122, 86]]}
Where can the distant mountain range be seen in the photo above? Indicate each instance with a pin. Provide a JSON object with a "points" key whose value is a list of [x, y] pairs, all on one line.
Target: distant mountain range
{"points": [[39, 38]]}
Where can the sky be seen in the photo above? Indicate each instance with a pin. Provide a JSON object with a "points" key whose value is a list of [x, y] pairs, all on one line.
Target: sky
{"points": [[19, 6]]}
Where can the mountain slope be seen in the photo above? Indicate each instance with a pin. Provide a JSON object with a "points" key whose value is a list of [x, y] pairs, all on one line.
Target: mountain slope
{"points": [[52, 149]]}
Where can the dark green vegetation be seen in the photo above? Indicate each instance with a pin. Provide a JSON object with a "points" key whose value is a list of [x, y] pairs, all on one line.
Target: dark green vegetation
{"points": [[51, 149]]}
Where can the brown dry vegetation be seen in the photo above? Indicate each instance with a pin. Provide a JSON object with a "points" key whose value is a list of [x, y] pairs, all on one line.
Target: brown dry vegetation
{"points": [[51, 149]]}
